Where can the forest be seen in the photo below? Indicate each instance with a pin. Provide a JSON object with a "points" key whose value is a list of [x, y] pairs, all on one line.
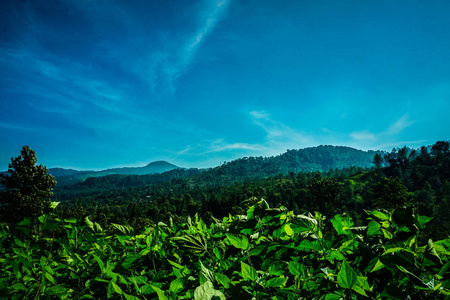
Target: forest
{"points": [[253, 228]]}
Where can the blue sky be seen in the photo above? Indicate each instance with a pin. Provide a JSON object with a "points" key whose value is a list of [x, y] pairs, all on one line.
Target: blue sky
{"points": [[99, 84]]}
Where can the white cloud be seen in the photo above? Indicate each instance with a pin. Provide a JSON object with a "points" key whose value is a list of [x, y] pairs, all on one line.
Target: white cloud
{"points": [[399, 125], [167, 66], [220, 145], [363, 137]]}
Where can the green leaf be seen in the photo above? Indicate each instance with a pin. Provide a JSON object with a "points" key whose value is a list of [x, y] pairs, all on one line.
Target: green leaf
{"points": [[131, 297], [276, 282], [18, 242], [380, 215], [223, 280], [422, 220], [116, 288], [378, 266], [444, 269], [53, 205], [248, 272], [297, 269], [86, 296], [250, 212], [238, 242], [100, 263], [19, 286], [207, 292], [25, 222], [57, 290], [288, 230], [50, 278], [160, 293], [207, 273], [88, 223], [346, 277], [373, 228], [332, 297], [361, 286], [129, 260], [176, 285], [342, 223], [70, 220]]}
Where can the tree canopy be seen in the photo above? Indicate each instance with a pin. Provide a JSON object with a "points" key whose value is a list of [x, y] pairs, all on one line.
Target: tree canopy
{"points": [[27, 188]]}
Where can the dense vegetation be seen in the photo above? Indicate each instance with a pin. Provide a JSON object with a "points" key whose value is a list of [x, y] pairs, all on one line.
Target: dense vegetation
{"points": [[265, 254], [211, 235]]}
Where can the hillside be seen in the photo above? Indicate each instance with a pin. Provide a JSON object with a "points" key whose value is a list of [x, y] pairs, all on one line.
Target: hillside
{"points": [[313, 159]]}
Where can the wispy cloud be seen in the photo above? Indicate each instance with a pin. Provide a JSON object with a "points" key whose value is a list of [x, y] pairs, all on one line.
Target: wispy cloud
{"points": [[220, 145], [399, 125], [363, 137], [383, 139], [167, 66], [277, 133]]}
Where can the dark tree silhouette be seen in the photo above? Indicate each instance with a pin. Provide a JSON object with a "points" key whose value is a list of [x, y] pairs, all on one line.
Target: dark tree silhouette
{"points": [[27, 188]]}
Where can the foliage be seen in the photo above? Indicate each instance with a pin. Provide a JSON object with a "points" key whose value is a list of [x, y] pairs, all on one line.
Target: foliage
{"points": [[266, 253], [27, 188]]}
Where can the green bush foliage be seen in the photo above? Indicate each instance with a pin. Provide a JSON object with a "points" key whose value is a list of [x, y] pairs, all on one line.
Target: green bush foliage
{"points": [[267, 253]]}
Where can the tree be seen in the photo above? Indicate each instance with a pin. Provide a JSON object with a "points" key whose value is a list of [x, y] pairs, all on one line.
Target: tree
{"points": [[390, 193], [27, 189], [378, 160], [325, 195]]}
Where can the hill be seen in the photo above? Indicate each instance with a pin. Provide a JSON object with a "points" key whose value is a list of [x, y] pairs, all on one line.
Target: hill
{"points": [[313, 159], [152, 168]]}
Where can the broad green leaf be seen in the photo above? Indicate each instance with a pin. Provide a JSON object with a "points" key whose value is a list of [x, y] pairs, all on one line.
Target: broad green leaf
{"points": [[116, 288], [57, 290], [25, 222], [71, 220], [88, 223], [100, 263], [176, 285], [207, 292], [160, 293], [129, 260], [342, 223], [373, 228], [131, 297], [50, 277], [444, 269], [18, 242], [206, 272], [53, 205], [332, 297], [250, 212], [335, 255], [431, 250], [297, 269], [378, 266], [19, 286], [238, 242], [361, 286], [380, 215], [223, 280], [422, 220], [346, 277], [276, 282], [248, 272], [288, 230]]}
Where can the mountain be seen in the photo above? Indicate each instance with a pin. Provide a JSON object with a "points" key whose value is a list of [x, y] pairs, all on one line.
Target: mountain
{"points": [[320, 158], [152, 168]]}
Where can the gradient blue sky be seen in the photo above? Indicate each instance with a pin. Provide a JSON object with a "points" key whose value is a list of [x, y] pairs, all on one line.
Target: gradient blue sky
{"points": [[99, 84]]}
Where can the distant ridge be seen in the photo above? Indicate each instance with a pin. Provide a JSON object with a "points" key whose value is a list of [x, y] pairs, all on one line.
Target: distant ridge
{"points": [[152, 168], [321, 158]]}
